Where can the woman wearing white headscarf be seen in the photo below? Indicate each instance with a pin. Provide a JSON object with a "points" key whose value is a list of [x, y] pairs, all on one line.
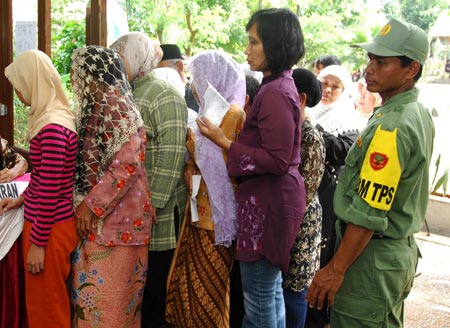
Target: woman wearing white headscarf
{"points": [[49, 233], [335, 116], [365, 103], [336, 111], [199, 280], [112, 202]]}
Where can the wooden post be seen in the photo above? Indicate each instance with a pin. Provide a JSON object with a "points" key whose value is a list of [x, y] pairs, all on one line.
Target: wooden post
{"points": [[6, 55], [44, 26], [96, 24]]}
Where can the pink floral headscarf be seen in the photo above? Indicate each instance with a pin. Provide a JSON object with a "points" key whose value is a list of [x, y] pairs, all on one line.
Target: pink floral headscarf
{"points": [[141, 53], [228, 78]]}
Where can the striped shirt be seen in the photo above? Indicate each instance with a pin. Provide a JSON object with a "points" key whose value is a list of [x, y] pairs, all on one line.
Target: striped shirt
{"points": [[48, 197]]}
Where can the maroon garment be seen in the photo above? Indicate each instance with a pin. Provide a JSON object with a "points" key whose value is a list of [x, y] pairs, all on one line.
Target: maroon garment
{"points": [[265, 159], [12, 295]]}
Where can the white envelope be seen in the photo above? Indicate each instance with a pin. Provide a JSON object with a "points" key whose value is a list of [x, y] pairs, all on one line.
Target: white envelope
{"points": [[11, 222], [215, 106], [193, 200]]}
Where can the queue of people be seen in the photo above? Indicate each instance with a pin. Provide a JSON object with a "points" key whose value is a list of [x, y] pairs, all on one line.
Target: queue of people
{"points": [[140, 212]]}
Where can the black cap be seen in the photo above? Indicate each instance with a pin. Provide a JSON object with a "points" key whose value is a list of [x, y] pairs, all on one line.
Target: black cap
{"points": [[170, 51], [306, 82]]}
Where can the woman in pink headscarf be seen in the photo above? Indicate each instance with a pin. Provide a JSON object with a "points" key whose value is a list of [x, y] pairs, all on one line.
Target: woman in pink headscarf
{"points": [[199, 280]]}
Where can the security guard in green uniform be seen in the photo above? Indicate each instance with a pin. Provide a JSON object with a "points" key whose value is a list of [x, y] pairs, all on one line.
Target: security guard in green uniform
{"points": [[382, 193]]}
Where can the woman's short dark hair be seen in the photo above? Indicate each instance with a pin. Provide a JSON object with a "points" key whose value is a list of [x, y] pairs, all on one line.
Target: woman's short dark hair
{"points": [[328, 60], [252, 85], [281, 35]]}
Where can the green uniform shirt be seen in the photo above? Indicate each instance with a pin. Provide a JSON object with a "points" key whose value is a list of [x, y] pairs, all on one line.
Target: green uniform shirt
{"points": [[385, 183], [164, 113]]}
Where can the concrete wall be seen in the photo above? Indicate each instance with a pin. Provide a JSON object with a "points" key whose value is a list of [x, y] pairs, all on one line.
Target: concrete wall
{"points": [[438, 216]]}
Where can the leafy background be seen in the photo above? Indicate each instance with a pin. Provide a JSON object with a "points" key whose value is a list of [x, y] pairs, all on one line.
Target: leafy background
{"points": [[329, 26]]}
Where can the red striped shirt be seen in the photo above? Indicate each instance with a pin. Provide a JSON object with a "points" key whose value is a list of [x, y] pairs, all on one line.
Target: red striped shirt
{"points": [[48, 198]]}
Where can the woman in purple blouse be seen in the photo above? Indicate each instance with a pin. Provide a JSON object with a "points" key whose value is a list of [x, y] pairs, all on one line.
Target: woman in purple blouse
{"points": [[265, 159]]}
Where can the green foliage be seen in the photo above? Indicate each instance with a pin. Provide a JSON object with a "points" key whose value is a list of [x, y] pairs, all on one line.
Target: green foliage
{"points": [[71, 36], [193, 25], [329, 27], [442, 182], [20, 123], [419, 12]]}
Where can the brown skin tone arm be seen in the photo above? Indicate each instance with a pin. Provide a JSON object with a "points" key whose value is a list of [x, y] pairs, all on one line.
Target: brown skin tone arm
{"points": [[213, 133], [328, 280], [36, 254], [7, 175]]}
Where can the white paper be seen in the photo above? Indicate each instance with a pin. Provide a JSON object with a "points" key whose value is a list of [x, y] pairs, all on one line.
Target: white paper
{"points": [[215, 106], [11, 225], [192, 116], [25, 33], [11, 222], [195, 186]]}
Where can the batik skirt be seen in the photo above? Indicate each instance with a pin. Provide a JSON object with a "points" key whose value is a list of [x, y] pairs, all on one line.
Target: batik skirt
{"points": [[198, 287], [108, 285]]}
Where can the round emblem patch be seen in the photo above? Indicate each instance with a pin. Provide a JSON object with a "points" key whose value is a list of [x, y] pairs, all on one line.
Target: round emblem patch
{"points": [[378, 160]]}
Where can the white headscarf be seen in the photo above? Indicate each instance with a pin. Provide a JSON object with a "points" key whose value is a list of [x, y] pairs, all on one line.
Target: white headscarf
{"points": [[32, 73], [339, 116], [141, 53], [340, 72]]}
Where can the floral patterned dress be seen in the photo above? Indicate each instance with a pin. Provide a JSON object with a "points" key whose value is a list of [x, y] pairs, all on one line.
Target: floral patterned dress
{"points": [[109, 265], [305, 254], [101, 296]]}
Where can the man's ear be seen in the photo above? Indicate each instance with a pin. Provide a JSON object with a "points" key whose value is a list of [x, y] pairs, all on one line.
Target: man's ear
{"points": [[180, 66], [303, 98], [413, 69]]}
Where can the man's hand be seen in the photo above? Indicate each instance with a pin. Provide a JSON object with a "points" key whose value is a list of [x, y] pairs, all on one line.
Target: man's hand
{"points": [[35, 259], [10, 203], [328, 280], [154, 217], [6, 176], [324, 286], [83, 216]]}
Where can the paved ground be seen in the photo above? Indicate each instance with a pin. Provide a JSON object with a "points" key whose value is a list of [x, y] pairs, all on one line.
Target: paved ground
{"points": [[428, 305]]}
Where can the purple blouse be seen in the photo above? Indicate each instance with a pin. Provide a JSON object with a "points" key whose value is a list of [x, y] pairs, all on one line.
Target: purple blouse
{"points": [[265, 159]]}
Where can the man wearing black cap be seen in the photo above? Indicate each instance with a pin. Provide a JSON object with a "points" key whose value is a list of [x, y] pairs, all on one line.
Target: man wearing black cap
{"points": [[382, 194], [172, 58]]}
